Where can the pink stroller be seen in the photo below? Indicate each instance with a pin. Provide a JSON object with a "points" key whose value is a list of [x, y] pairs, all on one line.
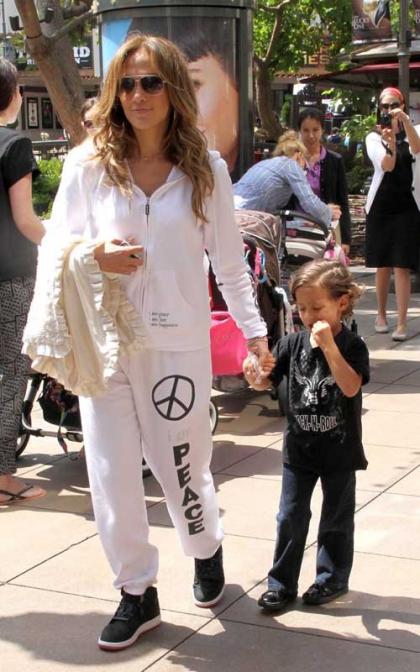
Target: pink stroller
{"points": [[261, 236]]}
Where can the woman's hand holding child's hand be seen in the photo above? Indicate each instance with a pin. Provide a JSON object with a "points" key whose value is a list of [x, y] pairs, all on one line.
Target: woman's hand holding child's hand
{"points": [[257, 370], [321, 335], [118, 256]]}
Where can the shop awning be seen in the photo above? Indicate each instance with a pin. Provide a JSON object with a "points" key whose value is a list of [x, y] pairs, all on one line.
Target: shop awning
{"points": [[373, 75]]}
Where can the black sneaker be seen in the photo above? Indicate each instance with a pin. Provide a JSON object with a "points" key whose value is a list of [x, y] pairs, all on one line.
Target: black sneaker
{"points": [[209, 580], [135, 615]]}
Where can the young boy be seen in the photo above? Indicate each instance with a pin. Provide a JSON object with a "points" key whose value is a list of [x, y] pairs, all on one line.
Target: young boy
{"points": [[325, 365]]}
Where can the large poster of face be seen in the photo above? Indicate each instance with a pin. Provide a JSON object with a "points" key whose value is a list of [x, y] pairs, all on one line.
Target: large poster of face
{"points": [[209, 44], [371, 20]]}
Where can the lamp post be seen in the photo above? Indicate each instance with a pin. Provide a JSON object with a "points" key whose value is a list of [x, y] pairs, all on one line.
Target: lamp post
{"points": [[404, 53]]}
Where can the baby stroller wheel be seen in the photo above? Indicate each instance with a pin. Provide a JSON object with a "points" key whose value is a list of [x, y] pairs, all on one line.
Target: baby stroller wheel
{"points": [[214, 416], [22, 442], [24, 435]]}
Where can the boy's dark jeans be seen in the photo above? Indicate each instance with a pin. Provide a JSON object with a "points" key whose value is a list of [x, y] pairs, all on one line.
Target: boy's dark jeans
{"points": [[335, 532]]}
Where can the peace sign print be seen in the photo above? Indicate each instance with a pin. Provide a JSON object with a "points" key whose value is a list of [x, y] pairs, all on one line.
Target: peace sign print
{"points": [[173, 397]]}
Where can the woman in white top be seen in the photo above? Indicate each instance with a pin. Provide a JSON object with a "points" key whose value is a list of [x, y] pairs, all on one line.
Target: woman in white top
{"points": [[152, 183], [393, 218]]}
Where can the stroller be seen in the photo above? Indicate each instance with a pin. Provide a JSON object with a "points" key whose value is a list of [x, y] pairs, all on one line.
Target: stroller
{"points": [[261, 234], [275, 245], [305, 238], [60, 408]]}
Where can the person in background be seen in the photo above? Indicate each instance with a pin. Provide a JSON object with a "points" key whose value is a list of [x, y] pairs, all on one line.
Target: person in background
{"points": [[392, 207], [334, 137], [20, 232], [325, 171], [326, 365], [269, 184], [86, 113], [154, 199]]}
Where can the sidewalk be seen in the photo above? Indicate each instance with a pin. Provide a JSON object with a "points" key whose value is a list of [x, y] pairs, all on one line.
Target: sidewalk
{"points": [[56, 588]]}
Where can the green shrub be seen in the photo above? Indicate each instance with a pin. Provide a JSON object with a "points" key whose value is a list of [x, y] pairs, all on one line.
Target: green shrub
{"points": [[45, 186], [357, 177]]}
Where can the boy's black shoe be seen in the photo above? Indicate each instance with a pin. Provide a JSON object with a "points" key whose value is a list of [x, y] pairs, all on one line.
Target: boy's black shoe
{"points": [[135, 615], [209, 580], [323, 593], [275, 600]]}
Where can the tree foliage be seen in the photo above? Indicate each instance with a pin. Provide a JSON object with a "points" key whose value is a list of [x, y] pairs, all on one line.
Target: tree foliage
{"points": [[286, 32], [305, 27]]}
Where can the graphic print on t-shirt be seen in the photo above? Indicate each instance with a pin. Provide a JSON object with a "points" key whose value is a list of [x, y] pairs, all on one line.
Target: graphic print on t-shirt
{"points": [[314, 397]]}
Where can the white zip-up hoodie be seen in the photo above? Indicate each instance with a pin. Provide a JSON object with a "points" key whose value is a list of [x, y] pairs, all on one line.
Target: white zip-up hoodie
{"points": [[170, 292]]}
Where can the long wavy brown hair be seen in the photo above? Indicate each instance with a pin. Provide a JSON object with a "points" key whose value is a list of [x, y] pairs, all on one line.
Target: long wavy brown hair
{"points": [[184, 145]]}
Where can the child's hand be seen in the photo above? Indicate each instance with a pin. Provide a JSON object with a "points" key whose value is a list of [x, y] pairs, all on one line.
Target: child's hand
{"points": [[256, 370], [321, 334]]}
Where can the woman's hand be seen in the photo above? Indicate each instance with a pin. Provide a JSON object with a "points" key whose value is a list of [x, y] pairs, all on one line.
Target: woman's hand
{"points": [[388, 136], [400, 115], [256, 371], [411, 133], [119, 257], [335, 211], [259, 346], [346, 248]]}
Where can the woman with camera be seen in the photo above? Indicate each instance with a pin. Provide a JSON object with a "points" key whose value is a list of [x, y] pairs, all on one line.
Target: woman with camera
{"points": [[393, 202]]}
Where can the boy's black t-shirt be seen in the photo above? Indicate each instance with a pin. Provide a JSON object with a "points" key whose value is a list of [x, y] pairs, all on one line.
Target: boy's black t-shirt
{"points": [[18, 255], [324, 430]]}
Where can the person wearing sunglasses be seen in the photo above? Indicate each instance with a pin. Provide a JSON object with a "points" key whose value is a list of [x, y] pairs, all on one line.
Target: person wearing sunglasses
{"points": [[207, 45], [155, 199], [392, 207]]}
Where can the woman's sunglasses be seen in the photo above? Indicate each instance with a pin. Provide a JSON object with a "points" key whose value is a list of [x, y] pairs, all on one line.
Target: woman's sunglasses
{"points": [[151, 84], [389, 106]]}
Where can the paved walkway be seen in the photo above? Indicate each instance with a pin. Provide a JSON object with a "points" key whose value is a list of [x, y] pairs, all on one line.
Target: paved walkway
{"points": [[55, 586]]}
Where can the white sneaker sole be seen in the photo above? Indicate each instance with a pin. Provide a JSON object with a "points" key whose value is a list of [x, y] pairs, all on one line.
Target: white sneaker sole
{"points": [[212, 603], [118, 646]]}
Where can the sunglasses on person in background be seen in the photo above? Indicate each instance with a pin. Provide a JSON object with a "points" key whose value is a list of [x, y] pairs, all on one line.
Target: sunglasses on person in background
{"points": [[87, 123], [389, 106], [151, 84]]}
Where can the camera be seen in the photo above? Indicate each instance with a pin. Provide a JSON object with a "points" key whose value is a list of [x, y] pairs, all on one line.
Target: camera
{"points": [[385, 120]]}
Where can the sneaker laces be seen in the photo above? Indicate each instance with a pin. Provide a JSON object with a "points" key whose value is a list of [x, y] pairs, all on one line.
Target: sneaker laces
{"points": [[208, 568], [128, 607]]}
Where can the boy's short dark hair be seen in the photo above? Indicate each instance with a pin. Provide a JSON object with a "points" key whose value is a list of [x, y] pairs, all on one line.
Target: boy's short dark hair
{"points": [[8, 83]]}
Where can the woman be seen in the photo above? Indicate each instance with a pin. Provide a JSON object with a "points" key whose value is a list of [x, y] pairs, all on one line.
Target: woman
{"points": [[20, 231], [152, 183], [269, 185], [210, 53], [392, 207], [325, 170]]}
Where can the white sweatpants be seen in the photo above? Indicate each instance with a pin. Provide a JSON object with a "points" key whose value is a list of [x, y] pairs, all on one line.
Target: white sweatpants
{"points": [[157, 405]]}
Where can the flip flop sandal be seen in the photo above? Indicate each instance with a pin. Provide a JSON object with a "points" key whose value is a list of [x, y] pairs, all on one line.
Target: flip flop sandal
{"points": [[18, 497]]}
